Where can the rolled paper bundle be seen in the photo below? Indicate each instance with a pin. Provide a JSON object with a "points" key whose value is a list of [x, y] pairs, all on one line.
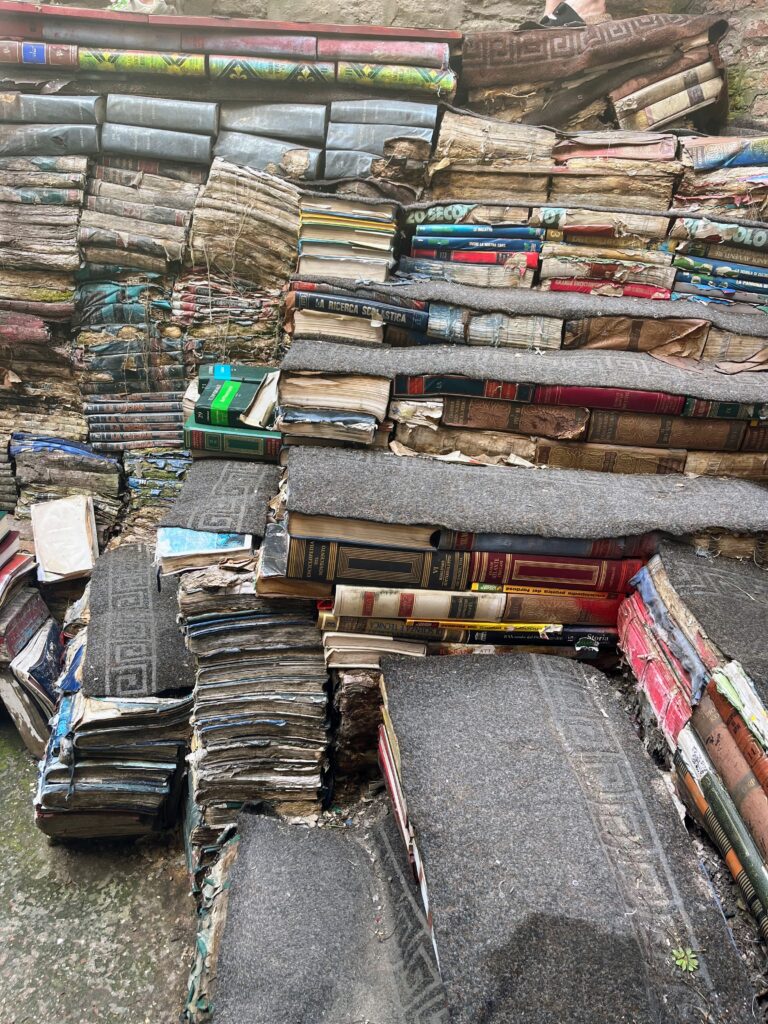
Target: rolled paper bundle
{"points": [[242, 69], [29, 108], [13, 51], [156, 142], [41, 139], [154, 112], [141, 62], [345, 163], [263, 154], [385, 51], [384, 112], [297, 122], [438, 81]]}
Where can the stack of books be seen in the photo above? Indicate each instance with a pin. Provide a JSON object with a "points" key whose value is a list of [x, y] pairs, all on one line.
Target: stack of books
{"points": [[133, 359], [260, 701], [138, 220], [49, 468], [629, 170], [668, 99], [285, 139], [234, 412], [481, 158], [8, 491], [245, 226], [690, 634], [42, 389], [30, 648], [46, 141], [547, 409], [227, 320], [489, 255], [314, 312], [580, 77], [380, 139], [346, 238], [28, 686], [333, 407], [154, 478], [173, 134], [416, 570], [112, 767], [724, 178]]}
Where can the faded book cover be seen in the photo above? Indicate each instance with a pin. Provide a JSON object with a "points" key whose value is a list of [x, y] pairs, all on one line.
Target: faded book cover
{"points": [[665, 431], [607, 458]]}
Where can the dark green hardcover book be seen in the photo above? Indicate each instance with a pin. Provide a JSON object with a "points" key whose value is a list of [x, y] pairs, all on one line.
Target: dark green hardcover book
{"points": [[232, 371], [232, 442], [223, 402], [710, 408]]}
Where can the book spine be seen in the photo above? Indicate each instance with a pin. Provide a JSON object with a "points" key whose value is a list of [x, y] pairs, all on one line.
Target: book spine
{"points": [[263, 69], [711, 408], [40, 54], [259, 44], [417, 604], [668, 698], [665, 431], [23, 627], [737, 777], [140, 62], [385, 51], [606, 458], [641, 546], [754, 755], [742, 465], [595, 574], [537, 420], [330, 562], [721, 821], [266, 449], [468, 256], [611, 288], [415, 320], [405, 385], [437, 82], [755, 438], [582, 609], [159, 434], [460, 244], [609, 398]]}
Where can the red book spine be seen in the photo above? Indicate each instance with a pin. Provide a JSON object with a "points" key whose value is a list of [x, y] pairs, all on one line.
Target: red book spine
{"points": [[588, 287], [666, 691], [459, 256], [260, 44], [20, 630], [609, 398], [595, 574], [384, 51], [753, 753]]}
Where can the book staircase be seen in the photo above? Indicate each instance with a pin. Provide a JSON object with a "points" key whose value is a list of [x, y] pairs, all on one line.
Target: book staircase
{"points": [[380, 407]]}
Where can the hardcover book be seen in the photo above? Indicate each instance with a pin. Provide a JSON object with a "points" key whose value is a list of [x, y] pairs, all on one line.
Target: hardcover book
{"points": [[231, 442]]}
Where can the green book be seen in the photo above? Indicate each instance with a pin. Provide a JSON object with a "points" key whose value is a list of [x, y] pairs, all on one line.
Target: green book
{"points": [[223, 402], [231, 371], [232, 442]]}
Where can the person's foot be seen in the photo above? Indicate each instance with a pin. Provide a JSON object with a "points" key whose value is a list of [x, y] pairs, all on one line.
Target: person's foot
{"points": [[574, 14]]}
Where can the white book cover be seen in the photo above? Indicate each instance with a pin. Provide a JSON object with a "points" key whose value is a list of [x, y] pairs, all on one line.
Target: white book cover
{"points": [[66, 543]]}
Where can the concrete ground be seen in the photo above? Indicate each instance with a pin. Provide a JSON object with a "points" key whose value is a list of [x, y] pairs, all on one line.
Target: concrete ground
{"points": [[93, 934]]}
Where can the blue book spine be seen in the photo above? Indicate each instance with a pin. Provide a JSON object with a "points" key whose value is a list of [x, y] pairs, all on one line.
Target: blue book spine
{"points": [[468, 244]]}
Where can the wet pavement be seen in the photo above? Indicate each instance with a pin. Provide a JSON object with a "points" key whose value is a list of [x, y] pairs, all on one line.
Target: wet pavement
{"points": [[96, 933]]}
